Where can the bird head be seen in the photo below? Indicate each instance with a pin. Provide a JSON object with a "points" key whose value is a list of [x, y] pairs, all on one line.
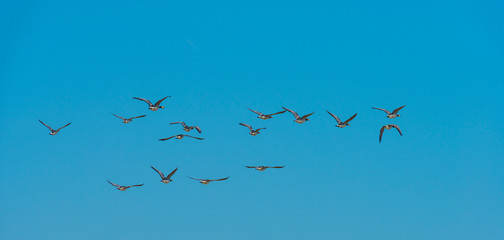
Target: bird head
{"points": [[161, 107]]}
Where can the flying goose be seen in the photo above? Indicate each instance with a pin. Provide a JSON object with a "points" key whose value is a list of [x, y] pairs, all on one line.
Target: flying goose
{"points": [[262, 168], [179, 136], [207, 181], [124, 188], [153, 107], [392, 114], [340, 123], [54, 132], [265, 116], [252, 131], [164, 179], [299, 119], [389, 126], [128, 120], [188, 128]]}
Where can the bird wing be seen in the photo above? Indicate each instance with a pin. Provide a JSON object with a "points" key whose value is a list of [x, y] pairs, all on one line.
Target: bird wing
{"points": [[164, 139], [260, 129], [335, 117], [307, 115], [293, 113], [381, 133], [246, 125], [46, 125], [385, 110], [397, 109], [145, 100], [159, 102], [141, 116], [220, 179], [159, 172], [250, 166], [138, 185], [256, 112], [276, 113], [197, 129], [194, 137], [278, 167], [195, 178], [396, 127], [63, 126], [118, 116], [350, 119], [116, 185], [182, 123], [171, 174]]}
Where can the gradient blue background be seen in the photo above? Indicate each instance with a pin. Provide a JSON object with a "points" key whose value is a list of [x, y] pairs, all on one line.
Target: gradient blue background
{"points": [[67, 61]]}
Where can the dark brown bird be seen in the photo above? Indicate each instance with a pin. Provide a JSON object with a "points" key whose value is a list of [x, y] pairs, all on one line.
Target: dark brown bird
{"points": [[252, 131], [128, 120], [164, 179], [207, 181], [124, 188], [187, 128], [262, 168], [179, 136], [389, 126], [392, 114], [265, 116], [54, 132], [340, 123], [153, 107], [298, 118]]}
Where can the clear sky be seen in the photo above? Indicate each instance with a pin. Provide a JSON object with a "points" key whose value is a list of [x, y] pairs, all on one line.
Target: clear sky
{"points": [[80, 61]]}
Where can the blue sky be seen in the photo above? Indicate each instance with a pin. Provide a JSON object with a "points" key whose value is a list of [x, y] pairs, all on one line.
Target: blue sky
{"points": [[79, 62]]}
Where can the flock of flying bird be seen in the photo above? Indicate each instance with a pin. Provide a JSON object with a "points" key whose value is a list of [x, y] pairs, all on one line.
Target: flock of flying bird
{"points": [[253, 132]]}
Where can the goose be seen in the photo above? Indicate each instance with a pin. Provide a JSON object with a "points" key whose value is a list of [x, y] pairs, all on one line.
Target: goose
{"points": [[179, 136], [124, 188], [252, 131], [265, 116], [340, 123], [164, 179], [188, 128], [207, 181], [128, 120], [389, 126], [153, 107], [392, 114], [54, 132], [262, 168], [299, 119]]}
